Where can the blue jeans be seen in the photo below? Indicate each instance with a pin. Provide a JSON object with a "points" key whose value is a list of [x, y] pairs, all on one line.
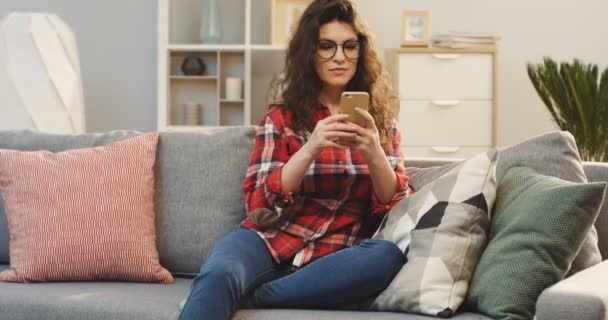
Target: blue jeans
{"points": [[240, 264]]}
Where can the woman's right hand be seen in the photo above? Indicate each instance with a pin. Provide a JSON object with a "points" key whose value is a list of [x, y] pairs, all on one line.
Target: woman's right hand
{"points": [[327, 133]]}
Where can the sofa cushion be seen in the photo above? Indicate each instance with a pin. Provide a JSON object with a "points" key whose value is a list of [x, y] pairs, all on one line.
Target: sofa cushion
{"points": [[278, 314], [538, 226], [127, 301], [92, 300], [26, 140], [552, 154], [82, 214], [442, 230], [199, 195]]}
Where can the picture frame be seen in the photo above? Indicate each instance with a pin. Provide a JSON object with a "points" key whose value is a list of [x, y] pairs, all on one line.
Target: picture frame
{"points": [[416, 26], [285, 17]]}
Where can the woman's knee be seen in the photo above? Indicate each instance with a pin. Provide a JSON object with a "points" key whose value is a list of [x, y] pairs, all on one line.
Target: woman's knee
{"points": [[219, 269], [227, 260], [386, 255]]}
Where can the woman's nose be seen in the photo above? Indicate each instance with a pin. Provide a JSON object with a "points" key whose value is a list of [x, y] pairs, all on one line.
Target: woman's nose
{"points": [[339, 56]]}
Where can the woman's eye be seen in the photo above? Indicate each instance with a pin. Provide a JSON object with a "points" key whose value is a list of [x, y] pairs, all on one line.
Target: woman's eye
{"points": [[351, 46], [326, 45]]}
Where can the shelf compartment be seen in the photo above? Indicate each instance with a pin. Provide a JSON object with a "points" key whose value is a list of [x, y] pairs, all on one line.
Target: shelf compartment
{"points": [[202, 92], [232, 64], [261, 20], [231, 113], [210, 59], [185, 21]]}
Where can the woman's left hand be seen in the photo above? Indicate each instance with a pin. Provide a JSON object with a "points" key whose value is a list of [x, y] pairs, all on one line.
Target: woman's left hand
{"points": [[367, 140]]}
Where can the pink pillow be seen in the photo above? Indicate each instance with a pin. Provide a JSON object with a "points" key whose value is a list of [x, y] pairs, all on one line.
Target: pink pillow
{"points": [[82, 214]]}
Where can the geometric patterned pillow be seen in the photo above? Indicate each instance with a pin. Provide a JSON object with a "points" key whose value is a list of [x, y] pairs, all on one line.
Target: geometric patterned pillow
{"points": [[82, 214], [442, 230]]}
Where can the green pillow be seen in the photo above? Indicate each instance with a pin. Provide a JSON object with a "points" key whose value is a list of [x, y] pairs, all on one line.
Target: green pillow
{"points": [[538, 226]]}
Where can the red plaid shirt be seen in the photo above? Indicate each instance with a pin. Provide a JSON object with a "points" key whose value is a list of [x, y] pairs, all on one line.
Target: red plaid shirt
{"points": [[335, 205]]}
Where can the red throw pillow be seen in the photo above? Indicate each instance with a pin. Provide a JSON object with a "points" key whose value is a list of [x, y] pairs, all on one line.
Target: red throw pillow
{"points": [[82, 214]]}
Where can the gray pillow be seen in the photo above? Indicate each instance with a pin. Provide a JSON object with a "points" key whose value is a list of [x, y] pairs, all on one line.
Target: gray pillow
{"points": [[442, 230], [27, 140], [551, 154]]}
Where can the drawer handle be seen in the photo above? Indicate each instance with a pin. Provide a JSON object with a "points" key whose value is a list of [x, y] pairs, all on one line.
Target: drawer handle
{"points": [[446, 56], [445, 149], [445, 103]]}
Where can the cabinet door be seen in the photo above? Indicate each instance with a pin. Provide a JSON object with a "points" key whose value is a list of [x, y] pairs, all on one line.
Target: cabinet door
{"points": [[446, 123], [445, 76]]}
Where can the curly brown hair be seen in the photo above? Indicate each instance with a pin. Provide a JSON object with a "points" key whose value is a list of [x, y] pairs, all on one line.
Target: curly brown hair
{"points": [[300, 86]]}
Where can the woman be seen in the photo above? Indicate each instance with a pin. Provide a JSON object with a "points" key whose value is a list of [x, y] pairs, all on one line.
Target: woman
{"points": [[317, 185]]}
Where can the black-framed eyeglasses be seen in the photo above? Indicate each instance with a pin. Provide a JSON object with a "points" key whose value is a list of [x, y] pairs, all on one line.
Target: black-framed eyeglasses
{"points": [[326, 49]]}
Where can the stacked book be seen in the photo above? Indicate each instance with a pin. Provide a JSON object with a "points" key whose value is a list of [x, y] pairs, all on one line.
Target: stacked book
{"points": [[464, 39]]}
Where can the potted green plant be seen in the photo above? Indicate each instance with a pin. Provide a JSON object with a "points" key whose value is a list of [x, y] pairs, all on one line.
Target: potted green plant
{"points": [[578, 101]]}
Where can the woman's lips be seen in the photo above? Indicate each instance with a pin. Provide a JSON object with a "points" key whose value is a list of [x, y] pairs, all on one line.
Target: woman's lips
{"points": [[337, 71]]}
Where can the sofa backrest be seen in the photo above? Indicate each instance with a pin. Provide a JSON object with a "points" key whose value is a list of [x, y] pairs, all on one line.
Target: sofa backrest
{"points": [[199, 195], [598, 171], [199, 177]]}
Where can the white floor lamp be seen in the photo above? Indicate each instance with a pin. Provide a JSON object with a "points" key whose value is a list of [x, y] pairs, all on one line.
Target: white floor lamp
{"points": [[40, 79]]}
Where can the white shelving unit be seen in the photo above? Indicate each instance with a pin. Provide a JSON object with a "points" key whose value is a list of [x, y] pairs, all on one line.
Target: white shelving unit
{"points": [[245, 52]]}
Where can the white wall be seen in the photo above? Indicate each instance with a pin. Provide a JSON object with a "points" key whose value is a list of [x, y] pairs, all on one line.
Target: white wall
{"points": [[561, 29], [117, 46], [117, 42]]}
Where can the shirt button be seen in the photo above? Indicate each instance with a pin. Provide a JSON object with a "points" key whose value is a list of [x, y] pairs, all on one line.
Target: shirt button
{"points": [[339, 161]]}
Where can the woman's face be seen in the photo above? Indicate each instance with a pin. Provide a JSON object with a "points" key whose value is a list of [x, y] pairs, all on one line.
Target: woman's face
{"points": [[337, 54]]}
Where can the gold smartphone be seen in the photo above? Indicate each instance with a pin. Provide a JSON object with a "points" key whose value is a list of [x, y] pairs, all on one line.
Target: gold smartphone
{"points": [[351, 100]]}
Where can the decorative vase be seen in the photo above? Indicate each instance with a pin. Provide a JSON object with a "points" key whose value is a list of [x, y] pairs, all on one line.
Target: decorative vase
{"points": [[192, 114], [193, 66], [211, 27]]}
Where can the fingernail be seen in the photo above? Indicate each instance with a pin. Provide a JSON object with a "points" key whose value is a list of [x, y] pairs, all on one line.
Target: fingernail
{"points": [[357, 108]]}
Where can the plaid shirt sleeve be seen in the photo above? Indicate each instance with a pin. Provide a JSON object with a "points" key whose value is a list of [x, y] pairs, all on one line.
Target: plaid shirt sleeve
{"points": [[262, 185], [395, 157]]}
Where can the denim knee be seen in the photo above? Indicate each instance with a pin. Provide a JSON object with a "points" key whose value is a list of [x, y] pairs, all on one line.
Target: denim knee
{"points": [[228, 272], [387, 257]]}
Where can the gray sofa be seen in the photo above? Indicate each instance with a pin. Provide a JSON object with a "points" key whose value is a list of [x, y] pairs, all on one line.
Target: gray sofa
{"points": [[199, 198]]}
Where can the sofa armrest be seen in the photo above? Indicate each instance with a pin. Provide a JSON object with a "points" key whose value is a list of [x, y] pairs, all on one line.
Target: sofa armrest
{"points": [[583, 296]]}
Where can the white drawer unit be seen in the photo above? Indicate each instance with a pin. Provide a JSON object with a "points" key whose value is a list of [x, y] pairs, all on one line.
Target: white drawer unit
{"points": [[447, 100]]}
